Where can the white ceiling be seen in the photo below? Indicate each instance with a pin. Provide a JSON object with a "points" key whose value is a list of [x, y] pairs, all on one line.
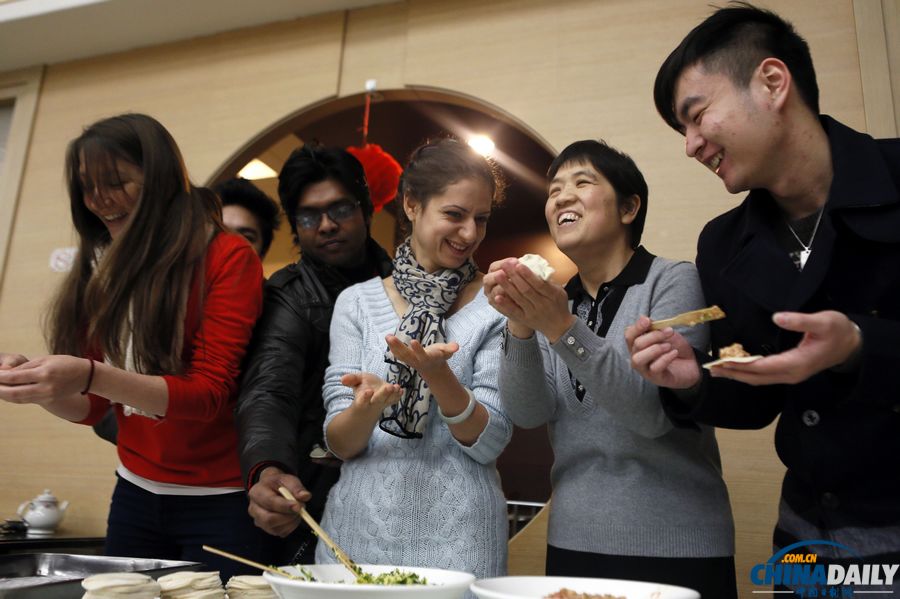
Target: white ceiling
{"points": [[34, 32]]}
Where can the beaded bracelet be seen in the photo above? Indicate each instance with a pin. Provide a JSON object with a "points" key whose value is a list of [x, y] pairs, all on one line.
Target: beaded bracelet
{"points": [[87, 387], [462, 415]]}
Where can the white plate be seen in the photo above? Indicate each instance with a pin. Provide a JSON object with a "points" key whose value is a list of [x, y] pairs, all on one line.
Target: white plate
{"points": [[336, 582], [534, 587], [736, 360]]}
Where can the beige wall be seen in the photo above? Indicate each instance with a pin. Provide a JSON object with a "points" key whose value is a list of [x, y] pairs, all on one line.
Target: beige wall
{"points": [[569, 69]]}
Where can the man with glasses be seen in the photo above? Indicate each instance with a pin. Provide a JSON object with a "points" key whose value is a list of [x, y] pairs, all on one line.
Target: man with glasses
{"points": [[279, 415]]}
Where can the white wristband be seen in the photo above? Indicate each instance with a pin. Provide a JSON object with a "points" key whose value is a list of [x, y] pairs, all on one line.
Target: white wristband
{"points": [[462, 415]]}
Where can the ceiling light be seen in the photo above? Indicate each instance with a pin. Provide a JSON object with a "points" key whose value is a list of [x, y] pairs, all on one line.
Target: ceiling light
{"points": [[257, 169], [482, 144]]}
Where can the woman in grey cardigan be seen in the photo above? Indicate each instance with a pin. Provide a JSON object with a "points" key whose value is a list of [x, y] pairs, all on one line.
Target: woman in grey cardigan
{"points": [[635, 495]]}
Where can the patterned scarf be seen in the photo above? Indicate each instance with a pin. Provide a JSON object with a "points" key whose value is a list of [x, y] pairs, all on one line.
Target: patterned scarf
{"points": [[429, 296]]}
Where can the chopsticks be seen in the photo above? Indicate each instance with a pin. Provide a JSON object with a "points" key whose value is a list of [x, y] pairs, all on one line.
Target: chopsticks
{"points": [[244, 560], [689, 319], [338, 552]]}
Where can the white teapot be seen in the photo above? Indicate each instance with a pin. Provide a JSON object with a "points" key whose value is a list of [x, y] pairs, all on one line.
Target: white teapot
{"points": [[43, 513]]}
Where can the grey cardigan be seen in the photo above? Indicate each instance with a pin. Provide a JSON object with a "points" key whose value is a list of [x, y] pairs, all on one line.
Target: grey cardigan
{"points": [[626, 481]]}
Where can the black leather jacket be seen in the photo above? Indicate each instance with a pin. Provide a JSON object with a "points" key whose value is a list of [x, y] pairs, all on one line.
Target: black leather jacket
{"points": [[279, 410]]}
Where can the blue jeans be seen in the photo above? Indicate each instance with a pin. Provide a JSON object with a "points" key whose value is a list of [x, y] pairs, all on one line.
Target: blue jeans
{"points": [[175, 527]]}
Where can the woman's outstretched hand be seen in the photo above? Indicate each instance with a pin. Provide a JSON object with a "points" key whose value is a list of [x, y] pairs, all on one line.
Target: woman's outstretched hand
{"points": [[348, 433], [370, 392], [427, 361]]}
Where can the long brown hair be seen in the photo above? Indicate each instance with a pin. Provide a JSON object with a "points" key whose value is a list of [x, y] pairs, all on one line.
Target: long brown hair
{"points": [[136, 285]]}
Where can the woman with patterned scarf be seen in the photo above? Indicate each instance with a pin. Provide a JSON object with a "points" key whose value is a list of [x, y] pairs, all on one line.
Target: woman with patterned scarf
{"points": [[411, 392]]}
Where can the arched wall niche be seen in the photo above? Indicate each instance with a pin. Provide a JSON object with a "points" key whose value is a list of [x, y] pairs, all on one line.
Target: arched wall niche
{"points": [[401, 119], [331, 105]]}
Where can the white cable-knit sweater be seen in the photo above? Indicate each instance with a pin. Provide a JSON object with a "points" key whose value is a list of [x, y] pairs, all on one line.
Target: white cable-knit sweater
{"points": [[418, 502]]}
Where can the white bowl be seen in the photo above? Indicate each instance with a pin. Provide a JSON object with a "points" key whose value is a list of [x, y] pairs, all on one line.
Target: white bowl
{"points": [[532, 587], [336, 582]]}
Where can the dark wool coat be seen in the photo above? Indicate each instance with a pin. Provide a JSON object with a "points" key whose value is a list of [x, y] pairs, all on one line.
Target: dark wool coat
{"points": [[839, 433]]}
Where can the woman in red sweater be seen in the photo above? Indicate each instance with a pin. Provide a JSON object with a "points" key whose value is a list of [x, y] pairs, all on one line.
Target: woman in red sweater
{"points": [[154, 317]]}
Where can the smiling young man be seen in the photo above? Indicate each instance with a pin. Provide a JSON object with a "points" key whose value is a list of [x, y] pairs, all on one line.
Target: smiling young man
{"points": [[634, 495], [280, 412], [807, 270]]}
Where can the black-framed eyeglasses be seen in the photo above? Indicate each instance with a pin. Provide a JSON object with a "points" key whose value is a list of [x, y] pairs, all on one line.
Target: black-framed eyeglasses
{"points": [[341, 210]]}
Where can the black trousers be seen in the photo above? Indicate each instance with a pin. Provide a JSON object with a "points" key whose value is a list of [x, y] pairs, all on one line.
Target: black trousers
{"points": [[712, 577], [175, 527]]}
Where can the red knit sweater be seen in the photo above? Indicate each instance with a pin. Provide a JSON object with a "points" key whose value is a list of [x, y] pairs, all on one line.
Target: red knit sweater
{"points": [[196, 442]]}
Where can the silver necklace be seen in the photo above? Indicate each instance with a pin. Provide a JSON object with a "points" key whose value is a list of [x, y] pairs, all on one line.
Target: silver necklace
{"points": [[807, 249]]}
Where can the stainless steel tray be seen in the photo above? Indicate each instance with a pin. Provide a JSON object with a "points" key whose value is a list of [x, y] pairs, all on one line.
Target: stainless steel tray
{"points": [[59, 575]]}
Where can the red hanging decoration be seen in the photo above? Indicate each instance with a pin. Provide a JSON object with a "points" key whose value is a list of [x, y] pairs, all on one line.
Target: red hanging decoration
{"points": [[382, 170], [382, 173]]}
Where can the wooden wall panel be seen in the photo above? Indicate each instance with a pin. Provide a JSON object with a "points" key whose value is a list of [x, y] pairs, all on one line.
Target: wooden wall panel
{"points": [[891, 11], [875, 68], [375, 48], [20, 89]]}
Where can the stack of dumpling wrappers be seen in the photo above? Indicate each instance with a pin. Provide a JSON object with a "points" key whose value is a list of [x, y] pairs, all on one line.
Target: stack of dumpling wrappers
{"points": [[191, 585], [178, 585], [249, 587], [120, 585]]}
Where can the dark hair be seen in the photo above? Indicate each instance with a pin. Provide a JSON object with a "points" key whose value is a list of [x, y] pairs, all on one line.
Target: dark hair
{"points": [[241, 192], [439, 163], [733, 41], [139, 282], [617, 167], [309, 165]]}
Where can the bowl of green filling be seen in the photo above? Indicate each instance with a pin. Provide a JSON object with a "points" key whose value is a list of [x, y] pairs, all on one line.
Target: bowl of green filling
{"points": [[334, 581]]}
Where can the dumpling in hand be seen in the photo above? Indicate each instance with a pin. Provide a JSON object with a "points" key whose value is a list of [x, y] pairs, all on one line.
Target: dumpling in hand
{"points": [[538, 265]]}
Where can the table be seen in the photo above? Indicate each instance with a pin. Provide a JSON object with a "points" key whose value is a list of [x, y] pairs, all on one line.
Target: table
{"points": [[57, 543]]}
